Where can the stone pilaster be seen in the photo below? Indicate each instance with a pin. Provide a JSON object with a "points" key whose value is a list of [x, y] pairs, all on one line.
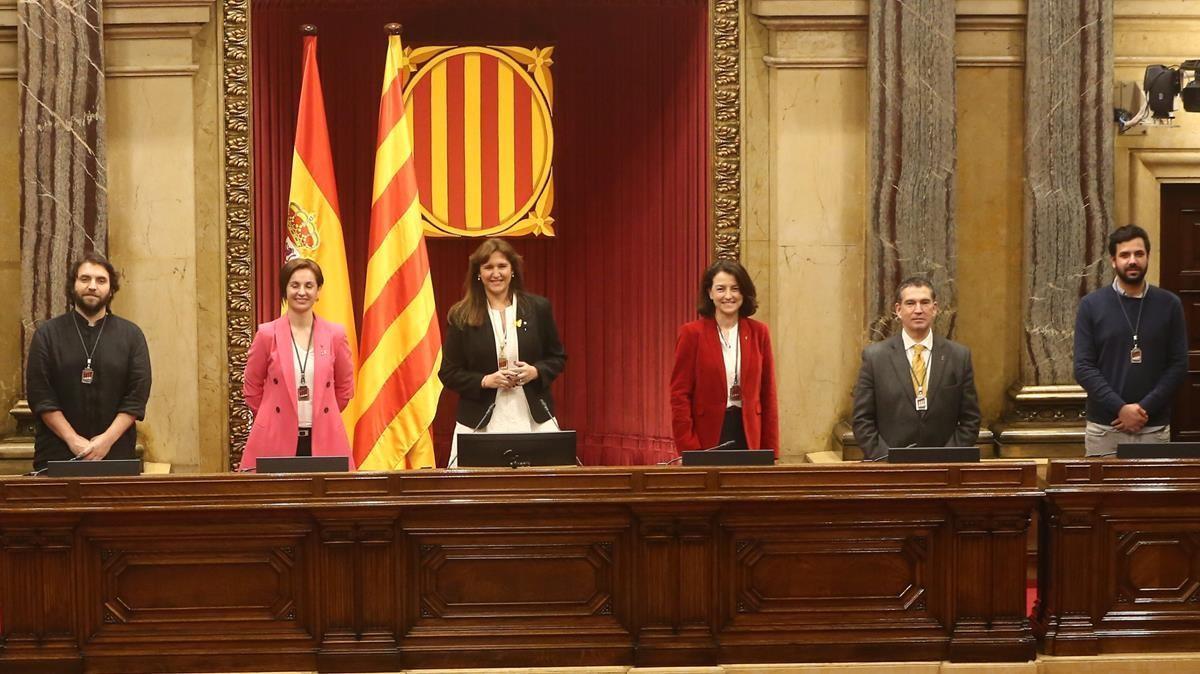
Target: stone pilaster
{"points": [[912, 147], [1068, 213]]}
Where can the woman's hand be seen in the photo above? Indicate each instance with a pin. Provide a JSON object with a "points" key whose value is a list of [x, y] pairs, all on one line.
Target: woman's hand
{"points": [[499, 379], [523, 373]]}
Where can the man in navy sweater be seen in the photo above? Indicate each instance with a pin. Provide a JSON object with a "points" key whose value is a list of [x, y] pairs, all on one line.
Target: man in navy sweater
{"points": [[1130, 350]]}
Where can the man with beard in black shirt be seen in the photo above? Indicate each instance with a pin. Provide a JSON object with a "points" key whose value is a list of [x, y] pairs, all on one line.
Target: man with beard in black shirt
{"points": [[88, 375]]}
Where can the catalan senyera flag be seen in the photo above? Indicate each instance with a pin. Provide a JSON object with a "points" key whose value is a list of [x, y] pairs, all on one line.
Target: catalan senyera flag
{"points": [[401, 350], [314, 228]]}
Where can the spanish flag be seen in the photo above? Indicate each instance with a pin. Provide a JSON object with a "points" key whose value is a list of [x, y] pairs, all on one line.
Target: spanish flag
{"points": [[397, 386], [314, 228]]}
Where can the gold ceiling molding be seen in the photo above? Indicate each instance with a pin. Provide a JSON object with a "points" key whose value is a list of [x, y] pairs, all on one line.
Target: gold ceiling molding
{"points": [[725, 212]]}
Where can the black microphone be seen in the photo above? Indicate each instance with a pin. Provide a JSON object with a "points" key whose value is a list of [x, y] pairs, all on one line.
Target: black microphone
{"points": [[488, 411], [885, 456], [77, 457], [484, 418], [723, 445], [578, 461], [547, 408]]}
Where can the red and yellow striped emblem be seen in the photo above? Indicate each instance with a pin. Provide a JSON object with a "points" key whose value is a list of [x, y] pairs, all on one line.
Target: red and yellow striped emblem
{"points": [[483, 138]]}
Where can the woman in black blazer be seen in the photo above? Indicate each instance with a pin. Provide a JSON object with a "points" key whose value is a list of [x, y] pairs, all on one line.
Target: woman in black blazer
{"points": [[502, 350]]}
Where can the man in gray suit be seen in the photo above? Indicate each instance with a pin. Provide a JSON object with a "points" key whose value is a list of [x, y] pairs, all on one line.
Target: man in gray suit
{"points": [[915, 389]]}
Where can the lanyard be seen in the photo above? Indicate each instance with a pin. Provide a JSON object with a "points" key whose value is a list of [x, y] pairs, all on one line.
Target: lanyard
{"points": [[88, 354], [1132, 326], [737, 358], [303, 363]]}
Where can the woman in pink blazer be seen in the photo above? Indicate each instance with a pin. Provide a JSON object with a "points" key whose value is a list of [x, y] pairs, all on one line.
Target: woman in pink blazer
{"points": [[299, 376], [723, 381]]}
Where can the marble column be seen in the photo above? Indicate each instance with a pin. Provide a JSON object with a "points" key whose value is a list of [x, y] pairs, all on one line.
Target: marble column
{"points": [[912, 150], [1068, 213], [63, 182], [64, 205]]}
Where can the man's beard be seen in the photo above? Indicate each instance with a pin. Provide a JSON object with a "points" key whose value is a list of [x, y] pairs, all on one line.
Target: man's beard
{"points": [[1123, 274], [87, 310]]}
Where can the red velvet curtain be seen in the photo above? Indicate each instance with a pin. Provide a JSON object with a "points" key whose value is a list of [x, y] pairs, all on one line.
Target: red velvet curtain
{"points": [[631, 177]]}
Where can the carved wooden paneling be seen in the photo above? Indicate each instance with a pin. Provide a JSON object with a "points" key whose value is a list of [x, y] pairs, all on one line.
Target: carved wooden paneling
{"points": [[521, 577], [985, 542], [1156, 570], [675, 585], [676, 562], [357, 581], [154, 579], [1121, 557], [540, 567], [37, 595], [799, 577]]}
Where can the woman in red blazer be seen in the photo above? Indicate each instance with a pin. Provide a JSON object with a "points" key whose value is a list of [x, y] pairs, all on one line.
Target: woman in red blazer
{"points": [[723, 382], [298, 377]]}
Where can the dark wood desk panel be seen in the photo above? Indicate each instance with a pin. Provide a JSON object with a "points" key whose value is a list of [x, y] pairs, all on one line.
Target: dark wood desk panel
{"points": [[1120, 557], [584, 566]]}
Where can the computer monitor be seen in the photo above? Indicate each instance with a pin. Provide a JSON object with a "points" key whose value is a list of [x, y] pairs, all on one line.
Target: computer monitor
{"points": [[1158, 450], [729, 457], [302, 464], [516, 450], [103, 468], [933, 455]]}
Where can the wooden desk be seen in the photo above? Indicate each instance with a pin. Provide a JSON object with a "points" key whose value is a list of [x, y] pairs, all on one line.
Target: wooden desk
{"points": [[1119, 566], [587, 566]]}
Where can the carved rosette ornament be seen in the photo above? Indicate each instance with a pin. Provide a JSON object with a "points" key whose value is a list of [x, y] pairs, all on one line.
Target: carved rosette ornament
{"points": [[725, 45]]}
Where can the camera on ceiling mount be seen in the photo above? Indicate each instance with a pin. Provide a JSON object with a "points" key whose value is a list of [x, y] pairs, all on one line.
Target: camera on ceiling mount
{"points": [[1160, 86]]}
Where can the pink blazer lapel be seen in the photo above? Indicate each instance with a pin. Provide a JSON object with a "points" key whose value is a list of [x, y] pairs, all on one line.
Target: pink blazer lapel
{"points": [[322, 360], [285, 356]]}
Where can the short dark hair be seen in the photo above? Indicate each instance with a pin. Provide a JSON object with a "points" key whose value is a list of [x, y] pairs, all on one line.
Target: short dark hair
{"points": [[92, 257], [1127, 233], [705, 306], [294, 265], [915, 282]]}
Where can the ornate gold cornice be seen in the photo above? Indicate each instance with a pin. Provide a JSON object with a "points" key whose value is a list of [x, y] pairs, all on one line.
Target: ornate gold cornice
{"points": [[725, 51]]}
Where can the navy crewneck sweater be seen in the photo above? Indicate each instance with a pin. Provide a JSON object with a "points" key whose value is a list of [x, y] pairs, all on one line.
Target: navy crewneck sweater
{"points": [[1103, 340]]}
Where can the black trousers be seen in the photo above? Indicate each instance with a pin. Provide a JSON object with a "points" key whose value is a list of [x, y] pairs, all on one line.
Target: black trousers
{"points": [[304, 442], [732, 429]]}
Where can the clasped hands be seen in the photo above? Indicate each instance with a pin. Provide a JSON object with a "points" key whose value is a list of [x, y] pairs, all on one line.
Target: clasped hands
{"points": [[1131, 419], [519, 374], [89, 450]]}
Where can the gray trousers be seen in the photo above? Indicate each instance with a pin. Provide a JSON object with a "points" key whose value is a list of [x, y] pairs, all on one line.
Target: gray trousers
{"points": [[1101, 440]]}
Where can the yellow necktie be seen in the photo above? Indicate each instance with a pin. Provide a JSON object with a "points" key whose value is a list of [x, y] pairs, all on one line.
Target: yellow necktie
{"points": [[918, 369]]}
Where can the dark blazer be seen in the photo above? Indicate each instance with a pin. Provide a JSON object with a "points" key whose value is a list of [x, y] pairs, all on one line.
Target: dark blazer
{"points": [[469, 353], [885, 413], [698, 386]]}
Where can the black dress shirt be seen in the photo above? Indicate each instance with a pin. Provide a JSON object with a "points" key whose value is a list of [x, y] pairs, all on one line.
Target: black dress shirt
{"points": [[53, 381]]}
